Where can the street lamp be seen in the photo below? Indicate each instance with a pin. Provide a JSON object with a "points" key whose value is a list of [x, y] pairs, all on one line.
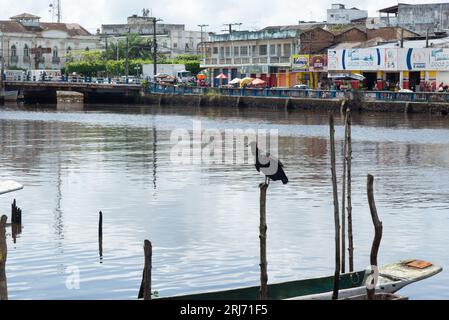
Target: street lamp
{"points": [[202, 39]]}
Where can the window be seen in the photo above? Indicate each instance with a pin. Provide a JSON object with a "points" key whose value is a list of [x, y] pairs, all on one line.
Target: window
{"points": [[236, 51], [254, 50], [13, 51], [221, 52], [272, 50], [55, 52], [87, 49], [244, 50], [215, 50], [287, 50], [175, 45], [26, 51], [228, 51], [279, 52], [69, 49], [263, 50]]}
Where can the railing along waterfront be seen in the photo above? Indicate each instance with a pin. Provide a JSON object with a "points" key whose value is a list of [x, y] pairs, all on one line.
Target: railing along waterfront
{"points": [[301, 93]]}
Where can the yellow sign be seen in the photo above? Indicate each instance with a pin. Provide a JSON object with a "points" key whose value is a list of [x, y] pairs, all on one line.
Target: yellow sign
{"points": [[300, 62]]}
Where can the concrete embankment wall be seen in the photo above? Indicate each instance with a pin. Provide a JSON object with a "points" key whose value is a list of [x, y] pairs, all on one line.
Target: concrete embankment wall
{"points": [[294, 103]]}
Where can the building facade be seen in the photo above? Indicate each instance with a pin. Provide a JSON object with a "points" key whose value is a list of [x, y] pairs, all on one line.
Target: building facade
{"points": [[339, 14], [26, 43], [421, 18], [262, 54], [388, 67], [172, 39]]}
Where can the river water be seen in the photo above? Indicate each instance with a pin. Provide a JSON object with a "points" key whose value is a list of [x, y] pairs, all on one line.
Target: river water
{"points": [[203, 218]]}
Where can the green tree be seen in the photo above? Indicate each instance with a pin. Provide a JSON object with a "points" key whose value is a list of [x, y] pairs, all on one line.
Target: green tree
{"points": [[138, 48]]}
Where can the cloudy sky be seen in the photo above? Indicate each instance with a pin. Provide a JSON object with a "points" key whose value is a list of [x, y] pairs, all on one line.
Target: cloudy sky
{"points": [[252, 13]]}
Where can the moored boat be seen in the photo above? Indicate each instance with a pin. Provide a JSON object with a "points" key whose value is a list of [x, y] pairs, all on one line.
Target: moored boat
{"points": [[392, 278]]}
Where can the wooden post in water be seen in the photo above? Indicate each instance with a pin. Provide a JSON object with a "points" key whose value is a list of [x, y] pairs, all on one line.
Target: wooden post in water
{"points": [[3, 256], [16, 213], [263, 243], [336, 209], [377, 238], [100, 235], [148, 250], [343, 200], [349, 189]]}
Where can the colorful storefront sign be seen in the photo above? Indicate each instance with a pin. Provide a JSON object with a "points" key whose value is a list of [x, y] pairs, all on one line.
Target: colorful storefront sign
{"points": [[318, 63], [439, 59], [300, 62], [390, 59]]}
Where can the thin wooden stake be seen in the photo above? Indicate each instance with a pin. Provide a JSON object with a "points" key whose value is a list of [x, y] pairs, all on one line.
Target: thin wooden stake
{"points": [[3, 256], [336, 210], [148, 249], [377, 238], [263, 243], [349, 190], [343, 201], [100, 235]]}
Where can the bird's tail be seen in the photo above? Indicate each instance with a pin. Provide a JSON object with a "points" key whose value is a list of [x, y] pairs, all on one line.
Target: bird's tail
{"points": [[284, 179]]}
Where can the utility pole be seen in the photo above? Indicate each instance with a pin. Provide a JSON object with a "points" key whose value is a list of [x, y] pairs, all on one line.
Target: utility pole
{"points": [[56, 10], [127, 57], [2, 61], [402, 38], [202, 26], [230, 25], [155, 21]]}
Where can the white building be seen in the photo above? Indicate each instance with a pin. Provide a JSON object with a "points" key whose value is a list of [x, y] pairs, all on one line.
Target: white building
{"points": [[172, 39], [27, 43], [339, 14]]}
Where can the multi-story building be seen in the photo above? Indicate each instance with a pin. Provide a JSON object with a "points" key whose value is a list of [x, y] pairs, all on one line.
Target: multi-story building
{"points": [[339, 14], [266, 54], [27, 43], [421, 18], [260, 54], [172, 39]]}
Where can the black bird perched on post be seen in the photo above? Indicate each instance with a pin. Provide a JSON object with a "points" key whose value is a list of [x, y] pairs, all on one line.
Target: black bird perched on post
{"points": [[272, 168]]}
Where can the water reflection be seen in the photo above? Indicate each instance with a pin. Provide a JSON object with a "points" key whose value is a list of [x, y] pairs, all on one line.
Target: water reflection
{"points": [[110, 159]]}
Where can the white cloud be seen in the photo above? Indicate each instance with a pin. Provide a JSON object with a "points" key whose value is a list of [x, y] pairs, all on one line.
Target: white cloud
{"points": [[252, 13]]}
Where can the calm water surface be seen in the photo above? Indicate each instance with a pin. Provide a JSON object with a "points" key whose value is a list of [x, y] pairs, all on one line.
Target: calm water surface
{"points": [[203, 219]]}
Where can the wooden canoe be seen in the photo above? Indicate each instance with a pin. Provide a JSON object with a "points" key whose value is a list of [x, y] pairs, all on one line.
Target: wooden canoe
{"points": [[393, 277]]}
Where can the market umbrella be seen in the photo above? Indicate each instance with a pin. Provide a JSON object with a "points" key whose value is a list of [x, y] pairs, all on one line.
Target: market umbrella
{"points": [[201, 77], [258, 82], [236, 81], [221, 76], [346, 76], [246, 81]]}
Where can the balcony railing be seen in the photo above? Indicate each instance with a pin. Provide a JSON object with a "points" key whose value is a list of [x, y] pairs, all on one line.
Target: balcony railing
{"points": [[56, 60], [426, 97], [245, 61]]}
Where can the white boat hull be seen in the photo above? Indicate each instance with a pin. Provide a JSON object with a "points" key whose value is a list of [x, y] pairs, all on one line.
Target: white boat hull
{"points": [[10, 95]]}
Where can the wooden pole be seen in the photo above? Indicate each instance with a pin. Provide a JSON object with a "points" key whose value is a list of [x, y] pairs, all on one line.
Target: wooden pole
{"points": [[3, 256], [378, 235], [148, 249], [263, 243], [349, 189], [100, 235], [336, 209], [343, 201]]}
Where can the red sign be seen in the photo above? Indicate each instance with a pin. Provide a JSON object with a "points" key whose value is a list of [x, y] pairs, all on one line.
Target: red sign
{"points": [[40, 50], [318, 63]]}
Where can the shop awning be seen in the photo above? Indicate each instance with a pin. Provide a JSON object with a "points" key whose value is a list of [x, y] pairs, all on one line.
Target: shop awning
{"points": [[346, 76]]}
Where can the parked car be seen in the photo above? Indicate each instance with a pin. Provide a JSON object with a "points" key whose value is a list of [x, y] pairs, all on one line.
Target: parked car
{"points": [[302, 87]]}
